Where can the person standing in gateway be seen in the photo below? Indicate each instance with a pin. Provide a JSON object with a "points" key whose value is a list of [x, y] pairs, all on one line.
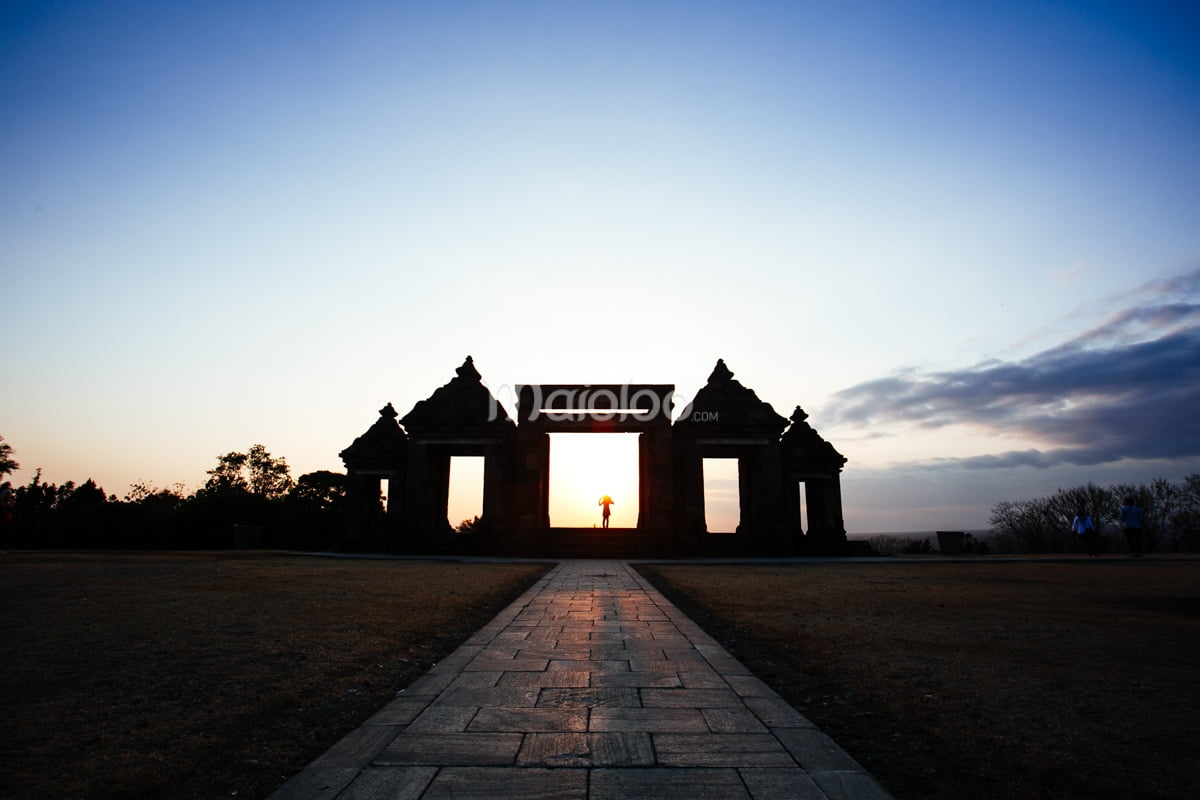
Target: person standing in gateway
{"points": [[606, 501]]}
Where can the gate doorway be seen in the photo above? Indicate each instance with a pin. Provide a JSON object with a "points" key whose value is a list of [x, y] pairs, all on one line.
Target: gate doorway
{"points": [[464, 499], [587, 466], [722, 495]]}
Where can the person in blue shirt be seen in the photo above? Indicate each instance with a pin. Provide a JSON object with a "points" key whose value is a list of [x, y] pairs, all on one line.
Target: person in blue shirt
{"points": [[1083, 527], [1131, 519]]}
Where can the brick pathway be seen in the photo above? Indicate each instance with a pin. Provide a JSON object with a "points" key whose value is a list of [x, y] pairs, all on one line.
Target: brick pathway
{"points": [[590, 686]]}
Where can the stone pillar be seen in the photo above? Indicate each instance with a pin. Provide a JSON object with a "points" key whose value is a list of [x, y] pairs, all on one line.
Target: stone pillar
{"points": [[792, 516], [357, 520], [645, 456], [749, 485], [528, 483], [541, 466], [689, 491], [414, 491], [771, 496], [393, 519], [826, 528], [437, 492], [495, 489], [656, 484]]}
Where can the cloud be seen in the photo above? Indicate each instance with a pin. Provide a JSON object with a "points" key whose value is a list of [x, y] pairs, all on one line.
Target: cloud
{"points": [[1129, 388]]}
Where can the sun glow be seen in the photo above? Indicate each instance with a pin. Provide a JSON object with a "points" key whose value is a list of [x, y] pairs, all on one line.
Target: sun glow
{"points": [[586, 466]]}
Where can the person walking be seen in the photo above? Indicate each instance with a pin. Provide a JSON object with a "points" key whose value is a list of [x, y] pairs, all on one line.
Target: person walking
{"points": [[1131, 520], [1083, 527]]}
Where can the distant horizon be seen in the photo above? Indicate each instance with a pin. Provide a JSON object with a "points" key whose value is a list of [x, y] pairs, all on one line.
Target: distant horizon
{"points": [[913, 534]]}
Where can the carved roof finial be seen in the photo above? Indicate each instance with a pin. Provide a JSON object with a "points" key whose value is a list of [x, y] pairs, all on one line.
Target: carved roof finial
{"points": [[388, 411], [799, 415], [720, 373], [468, 371]]}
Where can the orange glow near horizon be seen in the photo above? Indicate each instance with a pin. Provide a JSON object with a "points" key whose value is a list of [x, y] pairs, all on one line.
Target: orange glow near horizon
{"points": [[721, 504], [586, 466], [466, 489]]}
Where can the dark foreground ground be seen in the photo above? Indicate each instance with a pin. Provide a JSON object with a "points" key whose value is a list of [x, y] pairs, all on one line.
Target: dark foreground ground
{"points": [[212, 675], [1074, 679], [218, 675]]}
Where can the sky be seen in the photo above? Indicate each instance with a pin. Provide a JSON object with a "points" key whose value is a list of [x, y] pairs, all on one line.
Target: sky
{"points": [[965, 237]]}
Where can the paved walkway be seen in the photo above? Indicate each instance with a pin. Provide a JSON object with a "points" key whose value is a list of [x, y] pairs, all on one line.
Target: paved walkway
{"points": [[590, 686]]}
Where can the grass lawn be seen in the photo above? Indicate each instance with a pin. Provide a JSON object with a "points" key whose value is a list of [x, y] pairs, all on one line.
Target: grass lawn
{"points": [[206, 675], [1075, 679]]}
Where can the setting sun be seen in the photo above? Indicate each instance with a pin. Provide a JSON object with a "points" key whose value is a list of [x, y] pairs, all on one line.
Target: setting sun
{"points": [[585, 467]]}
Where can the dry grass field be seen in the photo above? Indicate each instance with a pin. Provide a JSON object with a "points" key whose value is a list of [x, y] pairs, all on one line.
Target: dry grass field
{"points": [[1069, 680], [211, 675], [208, 675]]}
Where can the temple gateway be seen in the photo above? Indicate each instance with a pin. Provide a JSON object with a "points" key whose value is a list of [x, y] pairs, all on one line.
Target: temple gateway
{"points": [[788, 476]]}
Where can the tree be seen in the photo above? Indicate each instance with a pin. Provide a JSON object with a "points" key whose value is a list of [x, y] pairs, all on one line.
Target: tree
{"points": [[8, 498], [244, 489], [1171, 514], [227, 476], [254, 471], [1159, 502], [320, 491], [1186, 528], [86, 495], [34, 503], [314, 510], [82, 515], [270, 477], [1094, 500], [152, 516], [143, 492], [1035, 526], [7, 465]]}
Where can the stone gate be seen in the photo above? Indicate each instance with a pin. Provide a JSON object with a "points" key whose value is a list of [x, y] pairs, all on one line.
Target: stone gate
{"points": [[786, 470]]}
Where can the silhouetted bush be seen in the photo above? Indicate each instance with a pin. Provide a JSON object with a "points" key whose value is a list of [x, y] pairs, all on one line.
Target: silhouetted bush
{"points": [[975, 546], [886, 545], [469, 525], [918, 547]]}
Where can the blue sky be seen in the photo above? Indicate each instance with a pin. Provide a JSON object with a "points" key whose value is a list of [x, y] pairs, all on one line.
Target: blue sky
{"points": [[964, 237]]}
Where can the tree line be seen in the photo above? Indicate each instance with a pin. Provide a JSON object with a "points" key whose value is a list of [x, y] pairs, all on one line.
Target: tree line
{"points": [[1171, 517], [249, 500]]}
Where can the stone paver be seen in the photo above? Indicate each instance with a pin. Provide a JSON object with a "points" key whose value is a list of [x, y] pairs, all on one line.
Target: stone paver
{"points": [[591, 686]]}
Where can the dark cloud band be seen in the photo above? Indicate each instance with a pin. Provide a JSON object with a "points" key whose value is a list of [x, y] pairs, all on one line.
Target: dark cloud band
{"points": [[1128, 389]]}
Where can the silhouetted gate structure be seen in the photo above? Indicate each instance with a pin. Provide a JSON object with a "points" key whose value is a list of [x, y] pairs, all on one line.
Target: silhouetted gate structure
{"points": [[725, 420]]}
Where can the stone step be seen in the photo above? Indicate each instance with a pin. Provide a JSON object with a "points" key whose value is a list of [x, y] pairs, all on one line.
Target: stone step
{"points": [[593, 543]]}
